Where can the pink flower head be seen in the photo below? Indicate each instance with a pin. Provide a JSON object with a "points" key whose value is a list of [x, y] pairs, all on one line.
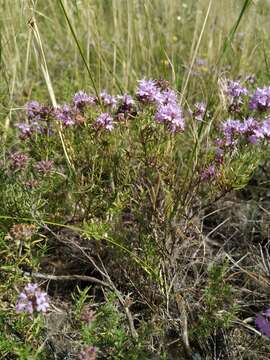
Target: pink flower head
{"points": [[32, 299], [260, 100], [107, 99], [81, 100], [19, 161], [171, 115], [104, 121], [147, 91], [89, 353], [44, 166]]}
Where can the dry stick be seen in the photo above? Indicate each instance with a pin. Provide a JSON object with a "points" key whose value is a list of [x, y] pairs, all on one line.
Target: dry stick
{"points": [[257, 277], [183, 317], [92, 279]]}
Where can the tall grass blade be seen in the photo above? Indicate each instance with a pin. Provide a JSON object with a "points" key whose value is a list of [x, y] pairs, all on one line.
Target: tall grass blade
{"points": [[80, 49], [232, 33], [195, 52]]}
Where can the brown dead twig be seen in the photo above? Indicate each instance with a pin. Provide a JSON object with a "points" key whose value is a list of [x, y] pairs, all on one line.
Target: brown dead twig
{"points": [[38, 275]]}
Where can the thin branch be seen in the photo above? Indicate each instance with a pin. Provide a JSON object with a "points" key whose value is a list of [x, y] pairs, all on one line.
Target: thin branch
{"points": [[43, 276]]}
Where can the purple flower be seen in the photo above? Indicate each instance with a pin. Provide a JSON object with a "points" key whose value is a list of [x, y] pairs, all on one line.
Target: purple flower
{"points": [[104, 121], [147, 91], [37, 111], [177, 124], [262, 322], [126, 102], [25, 129], [231, 129], [31, 288], [219, 156], [251, 129], [171, 115], [65, 114], [234, 130], [33, 109], [126, 107], [249, 125], [88, 315], [166, 97], [81, 100], [235, 90], [208, 173], [155, 92], [41, 302], [32, 299], [107, 99], [260, 100], [19, 161], [89, 353], [264, 130], [35, 126], [44, 166]]}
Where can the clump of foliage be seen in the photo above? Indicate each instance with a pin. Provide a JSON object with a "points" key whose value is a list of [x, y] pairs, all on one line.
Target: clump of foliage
{"points": [[116, 171], [126, 228]]}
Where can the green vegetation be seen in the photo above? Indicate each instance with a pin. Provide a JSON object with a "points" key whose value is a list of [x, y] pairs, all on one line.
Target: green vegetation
{"points": [[143, 214]]}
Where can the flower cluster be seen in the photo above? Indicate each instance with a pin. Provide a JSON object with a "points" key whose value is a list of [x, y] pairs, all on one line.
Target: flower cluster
{"points": [[235, 132], [162, 100], [32, 299], [168, 111], [107, 99], [250, 130], [27, 129], [43, 119], [155, 92], [37, 111], [38, 116], [126, 107]]}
